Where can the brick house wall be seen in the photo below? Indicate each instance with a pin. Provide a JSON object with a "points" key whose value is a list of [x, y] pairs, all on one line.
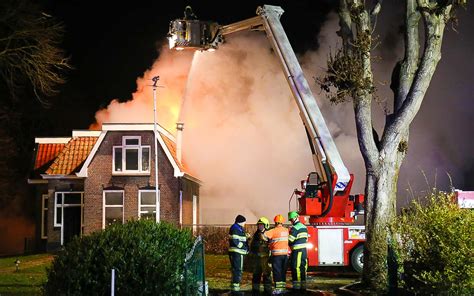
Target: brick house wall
{"points": [[100, 177], [54, 233], [38, 194]]}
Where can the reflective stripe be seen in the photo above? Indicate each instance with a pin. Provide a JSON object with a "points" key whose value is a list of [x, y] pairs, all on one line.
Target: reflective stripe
{"points": [[280, 251], [280, 239], [280, 285], [237, 250], [299, 246], [298, 265], [238, 237], [235, 287], [291, 238], [299, 226], [302, 235], [240, 245]]}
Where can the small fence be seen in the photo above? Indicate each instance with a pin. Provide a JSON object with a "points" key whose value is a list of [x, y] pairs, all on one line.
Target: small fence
{"points": [[194, 276]]}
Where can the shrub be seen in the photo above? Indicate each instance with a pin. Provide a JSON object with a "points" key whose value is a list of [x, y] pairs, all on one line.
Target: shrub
{"points": [[216, 238], [148, 259], [435, 246]]}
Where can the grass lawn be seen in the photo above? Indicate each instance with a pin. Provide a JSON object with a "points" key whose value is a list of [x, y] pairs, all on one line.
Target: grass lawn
{"points": [[29, 278], [327, 279]]}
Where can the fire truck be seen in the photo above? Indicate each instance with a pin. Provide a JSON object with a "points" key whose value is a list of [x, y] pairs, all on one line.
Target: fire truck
{"points": [[334, 239]]}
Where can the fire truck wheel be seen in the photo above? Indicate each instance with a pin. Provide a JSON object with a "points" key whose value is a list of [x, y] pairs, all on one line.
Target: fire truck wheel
{"points": [[357, 259]]}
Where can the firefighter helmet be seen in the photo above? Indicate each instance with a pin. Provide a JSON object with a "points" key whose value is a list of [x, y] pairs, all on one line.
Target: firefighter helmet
{"points": [[264, 221], [279, 219], [292, 215]]}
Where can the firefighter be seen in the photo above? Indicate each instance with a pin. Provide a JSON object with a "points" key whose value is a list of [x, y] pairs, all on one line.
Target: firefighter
{"points": [[189, 14], [278, 239], [238, 248], [261, 253], [299, 256]]}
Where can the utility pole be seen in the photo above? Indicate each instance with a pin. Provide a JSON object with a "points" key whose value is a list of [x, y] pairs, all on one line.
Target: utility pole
{"points": [[155, 132]]}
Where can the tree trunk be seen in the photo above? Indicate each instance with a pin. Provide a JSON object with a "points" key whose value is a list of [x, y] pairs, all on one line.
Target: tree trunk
{"points": [[381, 189], [383, 157]]}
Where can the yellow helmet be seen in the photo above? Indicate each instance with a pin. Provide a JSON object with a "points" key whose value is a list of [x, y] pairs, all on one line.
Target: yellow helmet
{"points": [[264, 221]]}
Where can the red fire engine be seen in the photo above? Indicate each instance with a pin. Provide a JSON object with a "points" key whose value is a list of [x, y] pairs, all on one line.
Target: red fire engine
{"points": [[325, 196]]}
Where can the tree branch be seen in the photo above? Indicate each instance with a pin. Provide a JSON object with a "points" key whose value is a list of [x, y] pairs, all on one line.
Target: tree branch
{"points": [[363, 99], [29, 51], [345, 22], [412, 47], [435, 21]]}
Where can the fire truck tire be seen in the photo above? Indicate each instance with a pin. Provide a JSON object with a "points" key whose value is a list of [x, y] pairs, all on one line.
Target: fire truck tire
{"points": [[357, 259]]}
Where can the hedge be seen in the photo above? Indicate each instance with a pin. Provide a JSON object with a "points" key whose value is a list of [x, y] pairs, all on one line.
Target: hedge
{"points": [[148, 258]]}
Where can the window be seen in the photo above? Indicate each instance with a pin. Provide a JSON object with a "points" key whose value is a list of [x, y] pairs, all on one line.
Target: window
{"points": [[131, 157], [113, 208], [65, 199], [147, 204], [44, 216]]}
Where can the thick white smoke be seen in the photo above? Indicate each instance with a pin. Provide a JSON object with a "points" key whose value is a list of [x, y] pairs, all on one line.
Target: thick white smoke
{"points": [[172, 68], [243, 136]]}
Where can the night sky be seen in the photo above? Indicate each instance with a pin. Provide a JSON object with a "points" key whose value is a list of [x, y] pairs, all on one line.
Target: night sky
{"points": [[113, 43]]}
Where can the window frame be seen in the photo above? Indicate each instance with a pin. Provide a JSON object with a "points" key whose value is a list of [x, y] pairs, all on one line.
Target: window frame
{"points": [[123, 148], [149, 206], [44, 214], [61, 206], [104, 206]]}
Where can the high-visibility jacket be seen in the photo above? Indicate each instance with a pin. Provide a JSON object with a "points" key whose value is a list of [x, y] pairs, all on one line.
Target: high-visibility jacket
{"points": [[238, 240], [278, 239], [259, 246], [298, 236]]}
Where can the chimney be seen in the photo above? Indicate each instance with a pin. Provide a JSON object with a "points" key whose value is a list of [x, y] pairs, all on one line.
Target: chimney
{"points": [[179, 139]]}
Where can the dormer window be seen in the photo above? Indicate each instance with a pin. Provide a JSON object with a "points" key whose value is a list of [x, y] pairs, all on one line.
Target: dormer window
{"points": [[132, 157]]}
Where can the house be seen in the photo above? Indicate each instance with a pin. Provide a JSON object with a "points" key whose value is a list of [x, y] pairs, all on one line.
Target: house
{"points": [[93, 179]]}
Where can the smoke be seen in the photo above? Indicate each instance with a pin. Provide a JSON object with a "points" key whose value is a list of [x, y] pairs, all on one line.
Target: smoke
{"points": [[243, 136], [172, 68], [242, 131]]}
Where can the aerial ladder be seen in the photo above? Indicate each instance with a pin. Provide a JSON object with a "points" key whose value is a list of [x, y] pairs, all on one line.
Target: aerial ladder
{"points": [[325, 194]]}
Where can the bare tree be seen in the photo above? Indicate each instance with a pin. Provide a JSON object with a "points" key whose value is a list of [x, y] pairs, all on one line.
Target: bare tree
{"points": [[350, 73], [29, 49]]}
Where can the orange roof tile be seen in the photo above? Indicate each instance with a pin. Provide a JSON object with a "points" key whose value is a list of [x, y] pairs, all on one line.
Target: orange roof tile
{"points": [[172, 148], [72, 156], [46, 153]]}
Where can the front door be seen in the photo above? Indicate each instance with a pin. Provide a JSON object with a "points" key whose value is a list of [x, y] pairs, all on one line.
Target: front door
{"points": [[72, 223]]}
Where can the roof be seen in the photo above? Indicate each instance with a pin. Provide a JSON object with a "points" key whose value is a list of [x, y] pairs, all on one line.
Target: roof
{"points": [[172, 148], [45, 153], [72, 156], [165, 139]]}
